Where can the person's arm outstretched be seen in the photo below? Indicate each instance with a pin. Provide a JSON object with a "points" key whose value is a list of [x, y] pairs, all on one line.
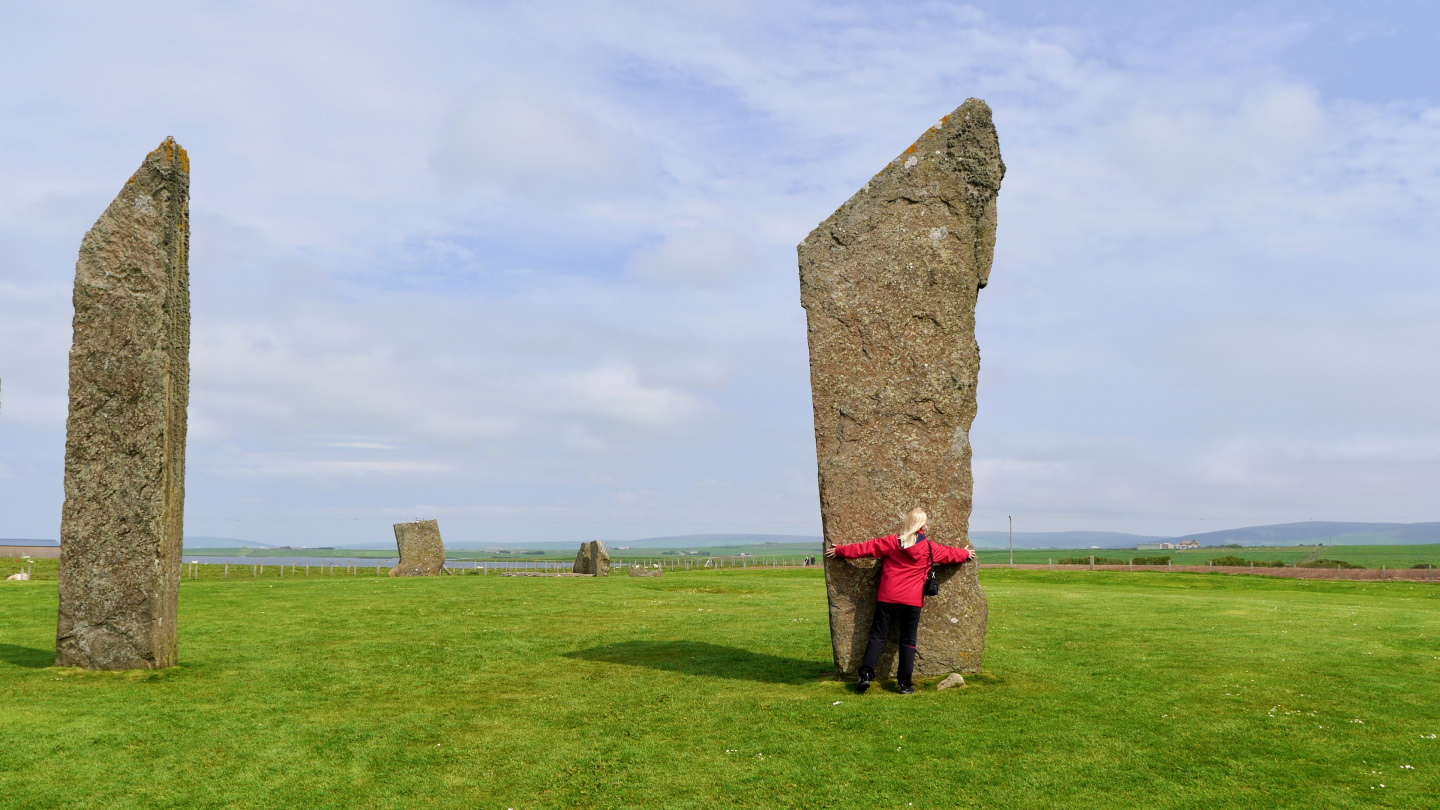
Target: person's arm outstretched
{"points": [[869, 548], [950, 555]]}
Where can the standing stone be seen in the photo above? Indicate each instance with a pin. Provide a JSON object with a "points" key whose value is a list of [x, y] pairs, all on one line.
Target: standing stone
{"points": [[121, 525], [889, 284], [592, 559], [422, 554]]}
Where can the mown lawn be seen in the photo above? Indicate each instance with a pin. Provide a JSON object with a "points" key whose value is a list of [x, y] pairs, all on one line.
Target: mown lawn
{"points": [[710, 689]]}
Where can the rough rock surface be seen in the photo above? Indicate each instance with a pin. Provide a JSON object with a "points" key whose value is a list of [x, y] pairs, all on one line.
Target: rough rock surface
{"points": [[592, 559], [953, 681], [889, 284], [422, 554], [120, 527], [641, 571]]}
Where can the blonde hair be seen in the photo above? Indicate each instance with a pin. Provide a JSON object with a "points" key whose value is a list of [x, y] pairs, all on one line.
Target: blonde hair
{"points": [[914, 522]]}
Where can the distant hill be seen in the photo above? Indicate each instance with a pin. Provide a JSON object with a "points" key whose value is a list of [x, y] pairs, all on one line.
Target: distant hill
{"points": [[221, 542], [1329, 533], [678, 541], [1061, 539], [708, 540], [4, 542]]}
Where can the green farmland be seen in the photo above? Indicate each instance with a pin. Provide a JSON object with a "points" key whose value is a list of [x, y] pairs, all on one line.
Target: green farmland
{"points": [[782, 551], [712, 689], [1398, 556]]}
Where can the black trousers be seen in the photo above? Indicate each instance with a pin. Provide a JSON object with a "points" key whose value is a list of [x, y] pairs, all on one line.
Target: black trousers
{"points": [[905, 619]]}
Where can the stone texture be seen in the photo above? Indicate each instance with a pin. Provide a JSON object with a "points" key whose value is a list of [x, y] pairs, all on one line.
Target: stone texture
{"points": [[953, 681], [592, 559], [641, 571], [121, 525], [889, 284], [422, 554]]}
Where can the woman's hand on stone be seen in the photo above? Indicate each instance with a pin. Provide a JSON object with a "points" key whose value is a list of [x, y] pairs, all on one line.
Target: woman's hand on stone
{"points": [[829, 551]]}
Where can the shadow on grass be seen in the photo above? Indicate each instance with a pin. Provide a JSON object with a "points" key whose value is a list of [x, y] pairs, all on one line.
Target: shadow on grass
{"points": [[28, 657], [701, 658]]}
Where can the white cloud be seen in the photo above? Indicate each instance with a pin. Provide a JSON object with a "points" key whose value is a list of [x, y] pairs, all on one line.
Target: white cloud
{"points": [[611, 402], [703, 256], [529, 141], [279, 467]]}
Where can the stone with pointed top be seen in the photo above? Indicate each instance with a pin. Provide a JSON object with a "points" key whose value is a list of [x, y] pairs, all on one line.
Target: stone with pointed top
{"points": [[889, 284], [121, 524]]}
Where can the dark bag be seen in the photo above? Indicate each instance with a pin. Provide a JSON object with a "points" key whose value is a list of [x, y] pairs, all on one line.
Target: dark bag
{"points": [[932, 587]]}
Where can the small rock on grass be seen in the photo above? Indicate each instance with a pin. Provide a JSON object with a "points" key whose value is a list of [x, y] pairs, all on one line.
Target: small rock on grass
{"points": [[951, 681]]}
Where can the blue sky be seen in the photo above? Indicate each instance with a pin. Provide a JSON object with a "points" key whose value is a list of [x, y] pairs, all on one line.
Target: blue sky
{"points": [[529, 268]]}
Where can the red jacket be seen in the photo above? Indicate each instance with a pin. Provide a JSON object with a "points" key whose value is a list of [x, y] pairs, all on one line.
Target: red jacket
{"points": [[902, 577]]}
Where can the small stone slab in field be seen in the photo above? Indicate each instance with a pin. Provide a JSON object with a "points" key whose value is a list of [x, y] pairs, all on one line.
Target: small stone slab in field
{"points": [[952, 681]]}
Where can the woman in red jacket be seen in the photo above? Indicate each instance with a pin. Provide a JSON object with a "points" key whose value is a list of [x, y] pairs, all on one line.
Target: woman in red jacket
{"points": [[907, 560]]}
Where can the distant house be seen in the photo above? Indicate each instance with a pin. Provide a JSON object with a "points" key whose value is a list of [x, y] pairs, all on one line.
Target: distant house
{"points": [[1188, 544], [1154, 546]]}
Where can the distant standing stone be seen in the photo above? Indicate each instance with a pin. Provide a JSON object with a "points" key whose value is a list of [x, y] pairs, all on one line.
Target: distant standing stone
{"points": [[422, 554], [120, 527], [592, 559], [889, 284], [640, 571]]}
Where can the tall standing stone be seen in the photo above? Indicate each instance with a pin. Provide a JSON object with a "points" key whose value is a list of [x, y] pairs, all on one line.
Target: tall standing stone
{"points": [[592, 558], [121, 525], [422, 552], [889, 284]]}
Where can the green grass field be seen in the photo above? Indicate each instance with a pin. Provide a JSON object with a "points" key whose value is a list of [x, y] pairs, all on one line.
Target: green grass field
{"points": [[711, 689]]}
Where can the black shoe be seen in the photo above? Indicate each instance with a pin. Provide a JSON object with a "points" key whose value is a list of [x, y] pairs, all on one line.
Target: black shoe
{"points": [[907, 688], [864, 682]]}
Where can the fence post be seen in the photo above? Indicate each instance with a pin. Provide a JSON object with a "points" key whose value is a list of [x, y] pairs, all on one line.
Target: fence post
{"points": [[227, 570], [1050, 563], [1382, 571], [1337, 571], [1169, 567], [1252, 566], [1092, 562], [1132, 563]]}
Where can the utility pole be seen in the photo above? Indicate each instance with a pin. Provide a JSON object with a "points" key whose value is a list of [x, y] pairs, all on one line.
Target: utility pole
{"points": [[1012, 540]]}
